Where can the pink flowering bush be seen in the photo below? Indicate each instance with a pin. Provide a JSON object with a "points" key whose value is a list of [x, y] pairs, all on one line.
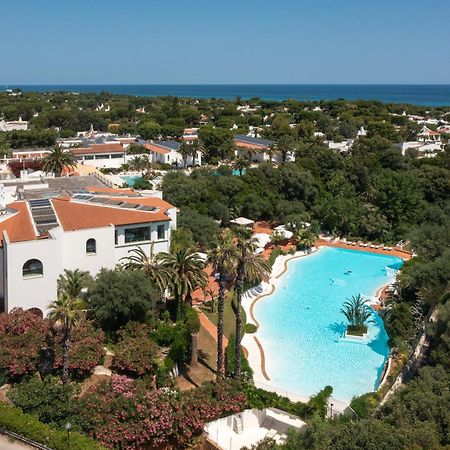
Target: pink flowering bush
{"points": [[123, 414], [135, 353], [22, 335], [85, 350]]}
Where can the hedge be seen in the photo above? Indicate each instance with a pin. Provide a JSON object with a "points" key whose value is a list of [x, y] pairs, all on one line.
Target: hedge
{"points": [[13, 419]]}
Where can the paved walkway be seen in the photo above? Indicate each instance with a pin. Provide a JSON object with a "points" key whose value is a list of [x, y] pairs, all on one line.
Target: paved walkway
{"points": [[7, 443]]}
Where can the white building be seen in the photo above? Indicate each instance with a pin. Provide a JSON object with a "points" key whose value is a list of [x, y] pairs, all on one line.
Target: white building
{"points": [[166, 152], [88, 230], [423, 149], [13, 125]]}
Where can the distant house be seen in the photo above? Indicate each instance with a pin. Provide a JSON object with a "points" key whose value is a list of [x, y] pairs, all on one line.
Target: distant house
{"points": [[166, 152], [255, 149], [190, 134], [423, 149], [101, 155], [14, 125], [426, 134]]}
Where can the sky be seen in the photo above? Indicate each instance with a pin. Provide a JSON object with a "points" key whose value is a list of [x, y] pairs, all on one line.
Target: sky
{"points": [[224, 42]]}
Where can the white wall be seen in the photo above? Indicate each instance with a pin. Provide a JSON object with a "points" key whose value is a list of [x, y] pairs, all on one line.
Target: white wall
{"points": [[37, 291], [74, 254]]}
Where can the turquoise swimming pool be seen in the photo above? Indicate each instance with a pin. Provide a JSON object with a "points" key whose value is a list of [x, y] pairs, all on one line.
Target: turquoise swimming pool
{"points": [[301, 327], [130, 179]]}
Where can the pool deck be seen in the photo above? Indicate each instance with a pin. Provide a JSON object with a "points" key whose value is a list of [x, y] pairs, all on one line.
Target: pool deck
{"points": [[403, 254], [253, 346]]}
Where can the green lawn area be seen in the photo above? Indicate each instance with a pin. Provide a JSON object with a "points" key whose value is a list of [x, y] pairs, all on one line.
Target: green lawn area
{"points": [[229, 317]]}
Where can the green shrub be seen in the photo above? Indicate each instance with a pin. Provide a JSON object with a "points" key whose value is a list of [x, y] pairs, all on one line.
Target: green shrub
{"points": [[250, 328], [318, 403], [246, 370], [260, 399], [49, 401], [364, 405], [274, 255], [13, 419]]}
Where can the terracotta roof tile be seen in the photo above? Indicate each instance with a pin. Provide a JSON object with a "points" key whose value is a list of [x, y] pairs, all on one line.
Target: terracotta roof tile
{"points": [[19, 225], [74, 215]]}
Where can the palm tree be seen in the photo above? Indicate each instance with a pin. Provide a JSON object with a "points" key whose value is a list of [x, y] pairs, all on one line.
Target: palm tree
{"points": [[57, 159], [197, 146], [251, 268], [149, 264], [241, 164], [357, 312], [73, 283], [65, 313], [185, 269], [286, 144], [185, 151], [227, 148], [223, 259]]}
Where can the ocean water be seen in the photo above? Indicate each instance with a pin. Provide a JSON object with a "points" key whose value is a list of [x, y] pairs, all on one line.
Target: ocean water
{"points": [[302, 326], [431, 95]]}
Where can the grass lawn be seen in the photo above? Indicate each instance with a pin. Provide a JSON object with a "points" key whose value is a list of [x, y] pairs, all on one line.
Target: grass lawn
{"points": [[229, 317]]}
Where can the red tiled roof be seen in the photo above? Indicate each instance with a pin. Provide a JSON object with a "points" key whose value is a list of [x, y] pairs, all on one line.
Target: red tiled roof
{"points": [[156, 148], [74, 215], [19, 226], [243, 144], [98, 148], [107, 190], [147, 201]]}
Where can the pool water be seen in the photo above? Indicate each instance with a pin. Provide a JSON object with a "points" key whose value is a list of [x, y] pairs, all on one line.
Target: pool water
{"points": [[301, 326], [130, 179]]}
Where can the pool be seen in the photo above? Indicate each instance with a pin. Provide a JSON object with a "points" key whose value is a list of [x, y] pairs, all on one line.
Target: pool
{"points": [[301, 327], [130, 179]]}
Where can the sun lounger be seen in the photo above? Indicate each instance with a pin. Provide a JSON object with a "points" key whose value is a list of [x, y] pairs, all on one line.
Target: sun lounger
{"points": [[271, 433]]}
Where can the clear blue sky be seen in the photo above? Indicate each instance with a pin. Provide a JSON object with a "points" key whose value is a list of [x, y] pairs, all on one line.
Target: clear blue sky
{"points": [[224, 41]]}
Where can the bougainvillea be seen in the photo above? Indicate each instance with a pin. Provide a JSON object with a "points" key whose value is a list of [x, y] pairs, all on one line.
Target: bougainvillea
{"points": [[123, 414], [85, 350], [135, 353], [22, 335]]}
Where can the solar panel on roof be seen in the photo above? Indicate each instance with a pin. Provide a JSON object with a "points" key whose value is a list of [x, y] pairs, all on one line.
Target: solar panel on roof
{"points": [[147, 208], [39, 202]]}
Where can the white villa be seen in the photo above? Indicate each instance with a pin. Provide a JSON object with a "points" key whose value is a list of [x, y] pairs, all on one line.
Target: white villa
{"points": [[13, 125], [88, 230], [166, 152]]}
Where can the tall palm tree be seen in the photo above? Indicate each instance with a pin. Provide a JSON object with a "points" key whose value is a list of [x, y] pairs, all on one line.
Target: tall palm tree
{"points": [[185, 268], [149, 264], [197, 146], [57, 159], [185, 151], [241, 164], [223, 258], [286, 144], [73, 283], [250, 268], [65, 313]]}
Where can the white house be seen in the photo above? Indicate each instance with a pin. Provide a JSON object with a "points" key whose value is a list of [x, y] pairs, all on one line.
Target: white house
{"points": [[166, 152], [13, 125], [256, 149], [87, 230]]}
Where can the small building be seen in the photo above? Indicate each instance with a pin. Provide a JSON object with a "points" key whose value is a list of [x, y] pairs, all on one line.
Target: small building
{"points": [[243, 221], [14, 125], [426, 134], [255, 149], [166, 152], [247, 428]]}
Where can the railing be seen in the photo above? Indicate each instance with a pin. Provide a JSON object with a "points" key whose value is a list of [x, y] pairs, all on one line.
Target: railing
{"points": [[23, 439]]}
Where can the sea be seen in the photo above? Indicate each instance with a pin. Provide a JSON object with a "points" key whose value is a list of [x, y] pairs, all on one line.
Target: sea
{"points": [[417, 94]]}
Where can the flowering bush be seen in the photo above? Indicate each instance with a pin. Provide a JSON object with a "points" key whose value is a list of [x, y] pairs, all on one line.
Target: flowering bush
{"points": [[125, 415], [135, 353], [22, 335], [85, 350]]}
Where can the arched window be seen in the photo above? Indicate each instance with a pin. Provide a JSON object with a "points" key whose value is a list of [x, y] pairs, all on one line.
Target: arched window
{"points": [[91, 246], [32, 268]]}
